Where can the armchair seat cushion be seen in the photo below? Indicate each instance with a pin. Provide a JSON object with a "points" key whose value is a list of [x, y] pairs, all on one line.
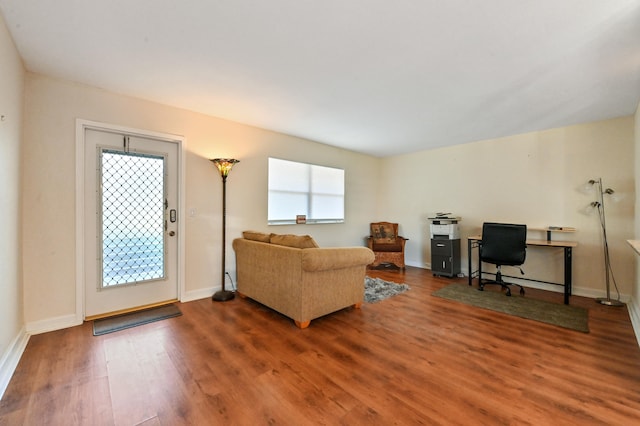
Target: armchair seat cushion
{"points": [[395, 246]]}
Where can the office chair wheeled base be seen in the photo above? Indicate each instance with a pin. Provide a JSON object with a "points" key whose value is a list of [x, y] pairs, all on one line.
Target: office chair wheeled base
{"points": [[499, 281]]}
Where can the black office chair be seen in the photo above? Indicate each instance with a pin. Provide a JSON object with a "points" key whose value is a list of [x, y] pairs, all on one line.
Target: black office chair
{"points": [[503, 244]]}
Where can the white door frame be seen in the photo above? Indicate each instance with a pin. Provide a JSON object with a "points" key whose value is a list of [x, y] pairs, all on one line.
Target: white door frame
{"points": [[81, 126]]}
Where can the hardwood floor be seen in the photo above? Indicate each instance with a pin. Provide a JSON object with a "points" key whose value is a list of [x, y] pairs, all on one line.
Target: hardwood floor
{"points": [[411, 359]]}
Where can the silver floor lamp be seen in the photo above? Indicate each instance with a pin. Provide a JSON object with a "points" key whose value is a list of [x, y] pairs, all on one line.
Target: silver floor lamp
{"points": [[599, 204], [224, 165]]}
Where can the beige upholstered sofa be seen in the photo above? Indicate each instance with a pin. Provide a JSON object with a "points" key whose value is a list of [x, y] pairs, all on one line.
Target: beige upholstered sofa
{"points": [[292, 275]]}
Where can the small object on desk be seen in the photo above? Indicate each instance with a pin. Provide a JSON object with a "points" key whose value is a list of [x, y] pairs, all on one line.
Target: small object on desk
{"points": [[551, 229]]}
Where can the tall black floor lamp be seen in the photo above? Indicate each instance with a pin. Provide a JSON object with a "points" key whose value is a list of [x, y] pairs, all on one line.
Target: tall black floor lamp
{"points": [[224, 165]]}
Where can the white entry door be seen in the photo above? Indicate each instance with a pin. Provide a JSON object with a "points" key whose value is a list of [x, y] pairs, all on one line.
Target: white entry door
{"points": [[131, 222]]}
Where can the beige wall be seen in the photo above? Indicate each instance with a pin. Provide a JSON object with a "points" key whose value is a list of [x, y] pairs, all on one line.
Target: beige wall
{"points": [[635, 303], [11, 95], [51, 110], [532, 179]]}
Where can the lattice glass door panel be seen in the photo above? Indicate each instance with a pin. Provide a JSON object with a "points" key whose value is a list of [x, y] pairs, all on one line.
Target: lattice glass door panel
{"points": [[132, 206], [131, 219]]}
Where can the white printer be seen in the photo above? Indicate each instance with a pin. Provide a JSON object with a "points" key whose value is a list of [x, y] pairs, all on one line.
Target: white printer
{"points": [[444, 227]]}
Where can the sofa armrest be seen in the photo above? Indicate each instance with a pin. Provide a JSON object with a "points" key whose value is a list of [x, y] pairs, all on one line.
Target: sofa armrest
{"points": [[322, 259]]}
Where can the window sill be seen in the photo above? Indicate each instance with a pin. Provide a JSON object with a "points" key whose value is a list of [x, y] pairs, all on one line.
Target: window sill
{"points": [[308, 222]]}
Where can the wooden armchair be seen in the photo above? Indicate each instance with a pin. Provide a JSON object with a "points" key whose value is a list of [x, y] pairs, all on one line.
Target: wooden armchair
{"points": [[386, 244]]}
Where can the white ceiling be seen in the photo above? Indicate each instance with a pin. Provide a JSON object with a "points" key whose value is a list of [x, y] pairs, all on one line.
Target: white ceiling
{"points": [[377, 76]]}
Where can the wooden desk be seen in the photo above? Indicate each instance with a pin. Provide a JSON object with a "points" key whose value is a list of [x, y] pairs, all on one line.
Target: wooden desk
{"points": [[476, 241]]}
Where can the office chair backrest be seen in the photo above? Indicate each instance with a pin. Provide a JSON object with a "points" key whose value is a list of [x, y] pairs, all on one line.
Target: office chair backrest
{"points": [[503, 243]]}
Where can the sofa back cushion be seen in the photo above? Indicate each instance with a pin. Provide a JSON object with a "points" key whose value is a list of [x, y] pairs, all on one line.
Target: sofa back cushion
{"points": [[295, 241], [257, 236]]}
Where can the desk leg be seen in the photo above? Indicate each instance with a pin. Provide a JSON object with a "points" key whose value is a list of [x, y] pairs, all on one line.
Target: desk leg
{"points": [[469, 260], [479, 267], [567, 274]]}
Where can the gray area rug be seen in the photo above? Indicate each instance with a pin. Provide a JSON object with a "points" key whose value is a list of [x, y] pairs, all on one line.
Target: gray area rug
{"points": [[376, 289], [134, 319], [567, 316]]}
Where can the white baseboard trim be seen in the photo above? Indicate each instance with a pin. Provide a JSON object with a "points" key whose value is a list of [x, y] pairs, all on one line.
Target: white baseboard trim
{"points": [[634, 313], [11, 358], [52, 324], [203, 293], [575, 291]]}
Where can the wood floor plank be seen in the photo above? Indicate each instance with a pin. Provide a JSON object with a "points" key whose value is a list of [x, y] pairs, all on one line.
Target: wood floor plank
{"points": [[411, 359]]}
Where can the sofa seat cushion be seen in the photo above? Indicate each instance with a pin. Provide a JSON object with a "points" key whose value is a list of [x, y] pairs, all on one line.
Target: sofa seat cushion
{"points": [[295, 241]]}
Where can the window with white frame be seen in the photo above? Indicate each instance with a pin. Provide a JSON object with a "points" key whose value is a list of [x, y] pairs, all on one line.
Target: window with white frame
{"points": [[304, 190]]}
